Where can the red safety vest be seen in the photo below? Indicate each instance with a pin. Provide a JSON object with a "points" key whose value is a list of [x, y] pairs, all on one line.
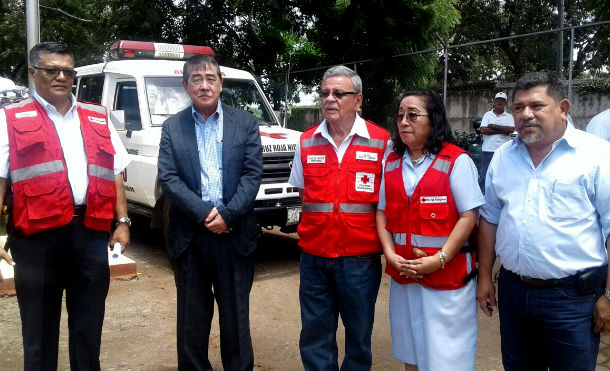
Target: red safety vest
{"points": [[340, 200], [426, 220], [38, 173]]}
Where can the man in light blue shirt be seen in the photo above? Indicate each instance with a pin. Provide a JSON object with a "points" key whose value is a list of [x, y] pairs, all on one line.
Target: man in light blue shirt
{"points": [[600, 125], [547, 217]]}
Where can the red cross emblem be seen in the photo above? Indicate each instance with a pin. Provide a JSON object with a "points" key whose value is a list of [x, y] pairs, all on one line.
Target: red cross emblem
{"points": [[364, 179]]}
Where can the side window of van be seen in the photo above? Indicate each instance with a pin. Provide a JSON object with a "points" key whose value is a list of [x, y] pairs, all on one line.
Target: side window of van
{"points": [[90, 88], [126, 99]]}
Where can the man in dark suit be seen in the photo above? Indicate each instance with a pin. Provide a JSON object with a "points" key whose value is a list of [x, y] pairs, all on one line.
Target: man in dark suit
{"points": [[210, 168]]}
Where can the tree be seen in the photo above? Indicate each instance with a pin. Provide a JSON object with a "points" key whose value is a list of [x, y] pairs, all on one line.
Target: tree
{"points": [[380, 29], [507, 60]]}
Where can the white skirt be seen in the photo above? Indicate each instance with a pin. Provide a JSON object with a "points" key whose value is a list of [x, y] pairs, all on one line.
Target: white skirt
{"points": [[434, 329]]}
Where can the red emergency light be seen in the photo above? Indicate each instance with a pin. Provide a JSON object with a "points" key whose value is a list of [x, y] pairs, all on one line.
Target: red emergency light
{"points": [[128, 49]]}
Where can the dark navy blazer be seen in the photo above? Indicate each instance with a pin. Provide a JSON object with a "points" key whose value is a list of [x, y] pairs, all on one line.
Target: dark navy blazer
{"points": [[180, 178]]}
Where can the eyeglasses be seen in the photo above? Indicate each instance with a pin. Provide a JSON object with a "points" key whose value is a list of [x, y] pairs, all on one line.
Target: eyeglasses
{"points": [[411, 116], [54, 72], [337, 93]]}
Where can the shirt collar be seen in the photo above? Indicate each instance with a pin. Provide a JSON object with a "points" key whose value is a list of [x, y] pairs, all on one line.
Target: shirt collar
{"points": [[358, 128], [48, 107], [199, 118], [570, 137]]}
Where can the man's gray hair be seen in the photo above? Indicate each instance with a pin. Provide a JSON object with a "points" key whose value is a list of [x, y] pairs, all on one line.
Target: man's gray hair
{"points": [[344, 71], [199, 60]]}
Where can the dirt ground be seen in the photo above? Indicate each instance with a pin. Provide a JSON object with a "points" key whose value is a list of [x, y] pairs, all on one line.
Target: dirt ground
{"points": [[139, 330]]}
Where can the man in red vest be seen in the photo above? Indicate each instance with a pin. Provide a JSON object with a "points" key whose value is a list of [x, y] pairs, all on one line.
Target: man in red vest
{"points": [[61, 164], [337, 168]]}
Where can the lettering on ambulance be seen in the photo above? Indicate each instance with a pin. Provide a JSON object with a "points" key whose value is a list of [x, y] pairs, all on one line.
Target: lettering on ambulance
{"points": [[279, 148], [132, 151]]}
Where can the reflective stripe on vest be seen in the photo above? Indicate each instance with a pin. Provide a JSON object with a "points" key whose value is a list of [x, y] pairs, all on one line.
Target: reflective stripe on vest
{"points": [[315, 141], [36, 170], [101, 172], [400, 238], [21, 103], [357, 208], [442, 165], [375, 143], [418, 240], [344, 208], [392, 165], [318, 207], [92, 107]]}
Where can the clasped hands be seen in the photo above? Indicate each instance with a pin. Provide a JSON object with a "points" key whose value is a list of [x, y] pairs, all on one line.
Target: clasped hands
{"points": [[416, 268], [215, 223]]}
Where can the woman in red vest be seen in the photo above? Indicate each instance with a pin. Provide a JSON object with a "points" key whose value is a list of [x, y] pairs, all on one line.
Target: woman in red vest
{"points": [[427, 209]]}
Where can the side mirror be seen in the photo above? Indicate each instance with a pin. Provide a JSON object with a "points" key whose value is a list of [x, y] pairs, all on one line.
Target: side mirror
{"points": [[118, 119]]}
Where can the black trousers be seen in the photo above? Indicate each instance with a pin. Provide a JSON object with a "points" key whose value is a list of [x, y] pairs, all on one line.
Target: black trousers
{"points": [[71, 258], [210, 268]]}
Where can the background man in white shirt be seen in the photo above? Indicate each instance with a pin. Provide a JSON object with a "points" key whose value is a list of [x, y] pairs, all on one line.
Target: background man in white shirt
{"points": [[496, 125]]}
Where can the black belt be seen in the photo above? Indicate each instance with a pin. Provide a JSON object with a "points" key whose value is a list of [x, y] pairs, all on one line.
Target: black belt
{"points": [[538, 283], [80, 210]]}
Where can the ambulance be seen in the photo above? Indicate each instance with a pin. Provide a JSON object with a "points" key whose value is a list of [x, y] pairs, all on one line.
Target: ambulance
{"points": [[142, 86]]}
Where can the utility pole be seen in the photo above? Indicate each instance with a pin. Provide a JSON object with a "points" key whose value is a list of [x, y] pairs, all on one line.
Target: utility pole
{"points": [[32, 20], [559, 51]]}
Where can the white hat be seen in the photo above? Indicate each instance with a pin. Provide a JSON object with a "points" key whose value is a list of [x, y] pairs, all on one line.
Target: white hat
{"points": [[501, 95]]}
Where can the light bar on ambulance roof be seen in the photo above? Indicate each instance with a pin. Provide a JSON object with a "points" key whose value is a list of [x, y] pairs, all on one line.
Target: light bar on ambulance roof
{"points": [[128, 49]]}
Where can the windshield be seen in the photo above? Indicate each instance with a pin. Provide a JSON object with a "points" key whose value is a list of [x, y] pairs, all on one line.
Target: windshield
{"points": [[166, 97]]}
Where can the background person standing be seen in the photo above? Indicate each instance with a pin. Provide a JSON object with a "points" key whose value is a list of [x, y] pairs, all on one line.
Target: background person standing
{"points": [[496, 126], [63, 162], [600, 125]]}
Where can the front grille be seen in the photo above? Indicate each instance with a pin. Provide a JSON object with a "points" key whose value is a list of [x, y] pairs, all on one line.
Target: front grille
{"points": [[292, 201], [276, 167]]}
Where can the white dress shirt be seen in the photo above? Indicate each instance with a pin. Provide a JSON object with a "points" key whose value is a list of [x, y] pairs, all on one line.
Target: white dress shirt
{"points": [[71, 139], [553, 220]]}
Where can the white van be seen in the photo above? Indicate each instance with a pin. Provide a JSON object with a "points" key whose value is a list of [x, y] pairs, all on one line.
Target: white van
{"points": [[143, 87]]}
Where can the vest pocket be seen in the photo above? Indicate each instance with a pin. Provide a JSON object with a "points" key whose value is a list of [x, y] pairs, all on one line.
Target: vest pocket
{"points": [[312, 230], [434, 219], [28, 134], [363, 183], [41, 198], [106, 199], [316, 185]]}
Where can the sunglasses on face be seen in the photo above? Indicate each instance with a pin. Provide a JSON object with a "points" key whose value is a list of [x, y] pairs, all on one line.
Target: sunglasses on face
{"points": [[410, 116], [336, 93], [54, 72]]}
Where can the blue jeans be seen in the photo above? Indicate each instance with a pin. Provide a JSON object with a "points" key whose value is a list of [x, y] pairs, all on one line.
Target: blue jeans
{"points": [[485, 160], [546, 328], [331, 286]]}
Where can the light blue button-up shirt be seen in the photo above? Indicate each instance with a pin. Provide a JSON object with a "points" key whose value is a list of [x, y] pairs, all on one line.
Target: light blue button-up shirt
{"points": [[552, 220], [209, 144]]}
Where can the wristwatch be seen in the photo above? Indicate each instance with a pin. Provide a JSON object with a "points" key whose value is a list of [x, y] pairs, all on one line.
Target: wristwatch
{"points": [[607, 294], [125, 220]]}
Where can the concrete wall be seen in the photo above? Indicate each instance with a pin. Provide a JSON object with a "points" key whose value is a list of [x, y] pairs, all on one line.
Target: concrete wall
{"points": [[464, 107]]}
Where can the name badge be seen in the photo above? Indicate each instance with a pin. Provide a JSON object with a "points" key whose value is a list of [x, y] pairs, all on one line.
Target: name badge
{"points": [[365, 182], [316, 159], [433, 200], [20, 115], [367, 156], [97, 120]]}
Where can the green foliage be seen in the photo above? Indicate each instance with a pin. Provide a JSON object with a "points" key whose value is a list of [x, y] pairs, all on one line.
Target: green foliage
{"points": [[593, 86], [509, 59]]}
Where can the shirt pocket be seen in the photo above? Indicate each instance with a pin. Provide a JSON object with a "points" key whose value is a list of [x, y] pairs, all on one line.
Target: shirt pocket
{"points": [[565, 201]]}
